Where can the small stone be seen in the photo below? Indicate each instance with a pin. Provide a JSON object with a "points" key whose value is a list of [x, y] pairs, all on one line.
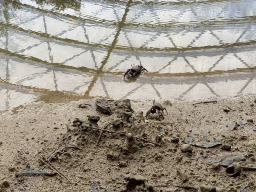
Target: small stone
{"points": [[215, 166], [111, 155], [83, 105], [5, 184], [175, 140], [182, 176], [226, 147], [226, 109], [117, 123], [123, 164], [243, 138], [207, 189], [158, 138], [250, 120], [234, 170], [93, 118], [186, 148]]}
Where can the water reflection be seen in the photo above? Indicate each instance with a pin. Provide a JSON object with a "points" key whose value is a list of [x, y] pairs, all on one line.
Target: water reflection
{"points": [[85, 46]]}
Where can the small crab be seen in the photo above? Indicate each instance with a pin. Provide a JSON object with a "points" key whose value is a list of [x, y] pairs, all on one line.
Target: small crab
{"points": [[134, 71], [156, 108]]}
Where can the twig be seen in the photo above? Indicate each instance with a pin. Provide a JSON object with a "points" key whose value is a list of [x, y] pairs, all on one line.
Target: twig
{"points": [[43, 160], [178, 186], [61, 149], [204, 102], [55, 152], [102, 133]]}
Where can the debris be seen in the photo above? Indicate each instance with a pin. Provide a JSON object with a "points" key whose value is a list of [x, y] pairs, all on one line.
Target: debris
{"points": [[137, 183], [130, 144], [175, 140], [123, 164], [5, 184], [117, 123], [43, 160], [102, 133], [84, 105], [112, 155], [93, 119], [77, 122], [226, 109], [31, 172], [234, 169], [186, 148], [206, 102], [183, 177], [226, 147], [103, 106], [207, 189], [202, 142], [226, 159], [249, 120], [215, 166]]}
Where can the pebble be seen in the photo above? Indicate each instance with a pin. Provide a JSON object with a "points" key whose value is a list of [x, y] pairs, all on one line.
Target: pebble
{"points": [[186, 148], [234, 170], [123, 164], [117, 123], [216, 167], [175, 140], [226, 147], [207, 189]]}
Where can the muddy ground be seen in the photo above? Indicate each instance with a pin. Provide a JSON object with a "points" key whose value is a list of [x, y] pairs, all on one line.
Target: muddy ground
{"points": [[208, 145]]}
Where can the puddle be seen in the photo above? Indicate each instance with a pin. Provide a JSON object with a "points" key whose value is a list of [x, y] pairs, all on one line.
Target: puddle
{"points": [[226, 159], [192, 50]]}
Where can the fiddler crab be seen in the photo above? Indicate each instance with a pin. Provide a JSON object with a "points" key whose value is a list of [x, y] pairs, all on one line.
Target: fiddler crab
{"points": [[134, 71], [156, 111]]}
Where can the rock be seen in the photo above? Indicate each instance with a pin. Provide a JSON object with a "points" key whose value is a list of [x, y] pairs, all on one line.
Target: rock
{"points": [[175, 140], [130, 144], [104, 106], [125, 115], [117, 123], [234, 170], [5, 184], [226, 147], [243, 138], [215, 166], [77, 122], [93, 119], [207, 189], [112, 155], [123, 164], [136, 183], [182, 176], [83, 105], [158, 138], [249, 120], [186, 148], [226, 109]]}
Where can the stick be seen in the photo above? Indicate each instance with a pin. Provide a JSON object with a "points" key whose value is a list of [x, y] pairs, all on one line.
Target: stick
{"points": [[53, 168], [203, 102], [102, 133]]}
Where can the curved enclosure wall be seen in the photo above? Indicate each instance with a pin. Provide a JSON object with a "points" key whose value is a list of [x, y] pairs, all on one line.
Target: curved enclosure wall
{"points": [[191, 49]]}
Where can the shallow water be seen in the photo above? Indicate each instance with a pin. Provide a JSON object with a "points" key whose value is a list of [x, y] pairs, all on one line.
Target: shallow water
{"points": [[193, 49]]}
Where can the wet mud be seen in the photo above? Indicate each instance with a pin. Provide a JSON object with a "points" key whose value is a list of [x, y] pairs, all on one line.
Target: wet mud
{"points": [[76, 147]]}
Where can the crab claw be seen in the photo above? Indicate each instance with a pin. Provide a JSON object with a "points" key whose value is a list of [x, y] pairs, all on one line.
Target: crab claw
{"points": [[147, 114]]}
